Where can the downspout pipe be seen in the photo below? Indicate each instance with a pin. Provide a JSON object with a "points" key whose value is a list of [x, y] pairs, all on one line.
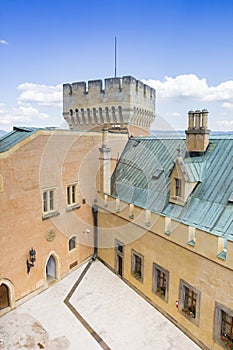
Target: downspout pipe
{"points": [[95, 222]]}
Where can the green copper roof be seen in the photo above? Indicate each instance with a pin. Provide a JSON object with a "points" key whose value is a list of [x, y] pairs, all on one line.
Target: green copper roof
{"points": [[142, 177], [18, 134], [15, 136]]}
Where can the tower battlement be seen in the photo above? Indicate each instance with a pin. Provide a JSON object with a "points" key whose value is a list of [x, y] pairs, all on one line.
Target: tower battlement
{"points": [[119, 101], [108, 86]]}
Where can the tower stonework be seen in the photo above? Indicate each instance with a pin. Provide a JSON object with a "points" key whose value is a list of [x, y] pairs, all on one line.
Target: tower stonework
{"points": [[123, 104]]}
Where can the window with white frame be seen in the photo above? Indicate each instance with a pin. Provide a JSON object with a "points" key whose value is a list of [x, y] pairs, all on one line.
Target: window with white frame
{"points": [[49, 202], [160, 281], [72, 197], [137, 265]]}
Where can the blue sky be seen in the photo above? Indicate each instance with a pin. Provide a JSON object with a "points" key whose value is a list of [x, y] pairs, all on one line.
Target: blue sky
{"points": [[182, 48]]}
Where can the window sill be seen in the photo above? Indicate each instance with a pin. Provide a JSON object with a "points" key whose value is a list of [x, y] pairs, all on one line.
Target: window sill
{"points": [[72, 207], [177, 200], [160, 293], [50, 215], [139, 278], [188, 314]]}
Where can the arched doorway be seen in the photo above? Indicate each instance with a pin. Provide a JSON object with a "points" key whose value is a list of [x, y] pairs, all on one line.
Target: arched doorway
{"points": [[4, 297], [51, 269]]}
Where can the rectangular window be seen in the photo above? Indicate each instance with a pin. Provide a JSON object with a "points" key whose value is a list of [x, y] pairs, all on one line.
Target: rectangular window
{"points": [[137, 265], [49, 203], [227, 327], [48, 200], [190, 299], [72, 194], [189, 303], [178, 187], [160, 281], [223, 326], [119, 247], [51, 200], [45, 202]]}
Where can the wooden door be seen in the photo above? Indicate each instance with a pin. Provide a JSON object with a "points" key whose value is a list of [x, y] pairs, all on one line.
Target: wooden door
{"points": [[4, 298]]}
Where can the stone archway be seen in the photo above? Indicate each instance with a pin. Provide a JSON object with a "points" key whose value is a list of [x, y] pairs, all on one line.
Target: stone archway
{"points": [[4, 296], [52, 268], [7, 295]]}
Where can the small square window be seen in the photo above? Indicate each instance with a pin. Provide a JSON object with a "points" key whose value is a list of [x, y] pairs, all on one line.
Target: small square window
{"points": [[119, 247], [137, 266], [160, 281]]}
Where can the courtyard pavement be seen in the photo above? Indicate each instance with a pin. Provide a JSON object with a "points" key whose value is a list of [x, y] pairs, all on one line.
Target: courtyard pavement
{"points": [[90, 309]]}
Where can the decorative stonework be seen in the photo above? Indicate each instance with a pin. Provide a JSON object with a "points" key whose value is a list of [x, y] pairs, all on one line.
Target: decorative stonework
{"points": [[50, 235], [123, 102]]}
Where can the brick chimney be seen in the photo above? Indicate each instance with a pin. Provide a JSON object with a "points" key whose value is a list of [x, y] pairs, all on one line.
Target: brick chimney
{"points": [[197, 134]]}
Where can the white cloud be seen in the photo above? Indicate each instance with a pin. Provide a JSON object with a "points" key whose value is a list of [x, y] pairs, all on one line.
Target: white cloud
{"points": [[43, 95], [225, 125], [20, 115], [228, 105], [187, 85], [190, 86], [175, 114], [3, 42]]}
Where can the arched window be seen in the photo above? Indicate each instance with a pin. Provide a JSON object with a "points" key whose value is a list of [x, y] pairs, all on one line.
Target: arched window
{"points": [[4, 296], [72, 243]]}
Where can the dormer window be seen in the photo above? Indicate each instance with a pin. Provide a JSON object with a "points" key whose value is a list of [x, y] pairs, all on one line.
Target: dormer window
{"points": [[178, 187], [185, 176]]}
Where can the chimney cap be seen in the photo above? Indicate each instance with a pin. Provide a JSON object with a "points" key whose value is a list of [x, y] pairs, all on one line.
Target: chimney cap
{"points": [[205, 110], [197, 111], [190, 112]]}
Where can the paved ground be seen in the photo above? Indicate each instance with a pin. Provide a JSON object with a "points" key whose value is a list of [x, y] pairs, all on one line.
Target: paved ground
{"points": [[88, 310]]}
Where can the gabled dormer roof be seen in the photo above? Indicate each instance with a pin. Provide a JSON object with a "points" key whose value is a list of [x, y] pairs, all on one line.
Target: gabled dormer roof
{"points": [[192, 171]]}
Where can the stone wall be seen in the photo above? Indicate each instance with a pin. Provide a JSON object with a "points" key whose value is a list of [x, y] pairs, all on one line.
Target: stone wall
{"points": [[121, 102]]}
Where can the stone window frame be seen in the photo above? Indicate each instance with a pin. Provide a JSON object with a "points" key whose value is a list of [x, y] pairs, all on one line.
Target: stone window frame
{"points": [[218, 314], [72, 196], [119, 244], [72, 243], [134, 272], [119, 252], [184, 286], [157, 289], [49, 210]]}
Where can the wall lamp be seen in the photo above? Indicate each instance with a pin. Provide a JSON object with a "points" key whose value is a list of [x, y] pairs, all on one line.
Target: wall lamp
{"points": [[32, 259]]}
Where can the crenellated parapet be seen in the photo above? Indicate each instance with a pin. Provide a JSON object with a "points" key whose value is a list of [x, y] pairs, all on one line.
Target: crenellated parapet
{"points": [[117, 102]]}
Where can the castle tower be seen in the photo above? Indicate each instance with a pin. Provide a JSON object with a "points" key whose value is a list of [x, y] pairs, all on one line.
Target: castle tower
{"points": [[197, 134], [123, 105]]}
